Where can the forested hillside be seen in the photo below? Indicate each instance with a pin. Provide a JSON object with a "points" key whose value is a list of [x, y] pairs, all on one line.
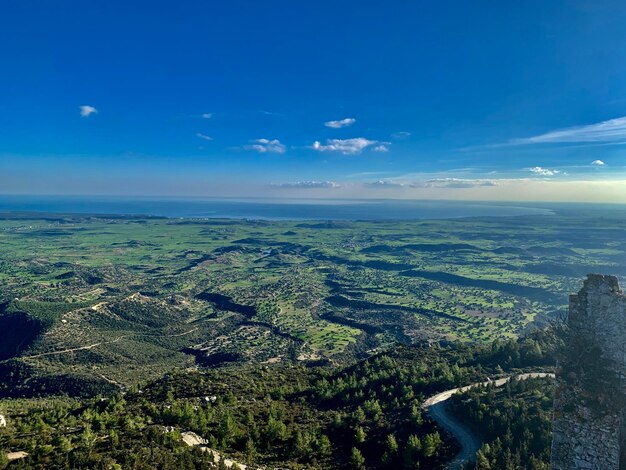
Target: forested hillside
{"points": [[366, 415]]}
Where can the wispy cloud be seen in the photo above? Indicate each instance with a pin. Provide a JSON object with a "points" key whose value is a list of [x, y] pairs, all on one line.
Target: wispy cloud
{"points": [[350, 146], [86, 110], [309, 184], [203, 136], [384, 184], [459, 183], [452, 183], [340, 123], [540, 171], [613, 130], [271, 113], [598, 163], [206, 115], [401, 135], [266, 146]]}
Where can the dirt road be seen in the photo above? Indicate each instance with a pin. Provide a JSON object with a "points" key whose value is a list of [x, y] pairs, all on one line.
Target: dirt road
{"points": [[435, 406]]}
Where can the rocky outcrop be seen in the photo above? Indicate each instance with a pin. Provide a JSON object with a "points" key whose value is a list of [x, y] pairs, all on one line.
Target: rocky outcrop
{"points": [[588, 406]]}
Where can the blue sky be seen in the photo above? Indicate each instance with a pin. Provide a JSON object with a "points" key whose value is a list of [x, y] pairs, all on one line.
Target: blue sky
{"points": [[425, 99]]}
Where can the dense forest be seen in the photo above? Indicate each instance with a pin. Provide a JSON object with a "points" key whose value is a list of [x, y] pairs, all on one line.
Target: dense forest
{"points": [[368, 415]]}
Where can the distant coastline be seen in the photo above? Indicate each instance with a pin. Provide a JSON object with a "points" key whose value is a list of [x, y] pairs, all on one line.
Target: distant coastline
{"points": [[266, 209]]}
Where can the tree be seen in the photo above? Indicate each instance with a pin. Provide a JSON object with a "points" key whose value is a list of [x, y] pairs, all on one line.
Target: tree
{"points": [[324, 446], [114, 438], [359, 435], [482, 462], [4, 461], [412, 451], [250, 449], [359, 415], [88, 438], [373, 408], [301, 445], [432, 442], [276, 430], [227, 430], [357, 461], [392, 444], [416, 415], [63, 444]]}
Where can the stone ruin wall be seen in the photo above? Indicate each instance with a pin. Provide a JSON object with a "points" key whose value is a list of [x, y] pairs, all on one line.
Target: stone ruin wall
{"points": [[582, 439]]}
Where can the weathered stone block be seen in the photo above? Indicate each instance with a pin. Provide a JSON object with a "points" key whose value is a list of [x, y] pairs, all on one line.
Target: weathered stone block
{"points": [[583, 437]]}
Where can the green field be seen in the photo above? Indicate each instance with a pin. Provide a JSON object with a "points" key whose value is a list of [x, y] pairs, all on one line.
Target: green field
{"points": [[103, 302]]}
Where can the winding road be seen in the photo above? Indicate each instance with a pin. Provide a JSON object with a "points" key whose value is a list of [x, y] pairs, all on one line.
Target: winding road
{"points": [[435, 406]]}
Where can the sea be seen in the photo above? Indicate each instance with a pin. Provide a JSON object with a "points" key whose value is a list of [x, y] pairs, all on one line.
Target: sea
{"points": [[268, 209]]}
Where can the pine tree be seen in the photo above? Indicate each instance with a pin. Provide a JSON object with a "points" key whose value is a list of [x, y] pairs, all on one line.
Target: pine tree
{"points": [[324, 446], [412, 450], [250, 449], [357, 461], [359, 435], [432, 442]]}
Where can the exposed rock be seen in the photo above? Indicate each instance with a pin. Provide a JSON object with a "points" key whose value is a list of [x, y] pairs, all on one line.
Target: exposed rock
{"points": [[16, 455], [588, 419], [194, 440]]}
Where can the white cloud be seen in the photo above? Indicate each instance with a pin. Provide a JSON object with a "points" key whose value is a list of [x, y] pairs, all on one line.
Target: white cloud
{"points": [[613, 130], [309, 184], [271, 113], [266, 146], [598, 163], [350, 146], [401, 135], [86, 110], [383, 184], [459, 183], [341, 123], [538, 170], [453, 183], [203, 136], [206, 115]]}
